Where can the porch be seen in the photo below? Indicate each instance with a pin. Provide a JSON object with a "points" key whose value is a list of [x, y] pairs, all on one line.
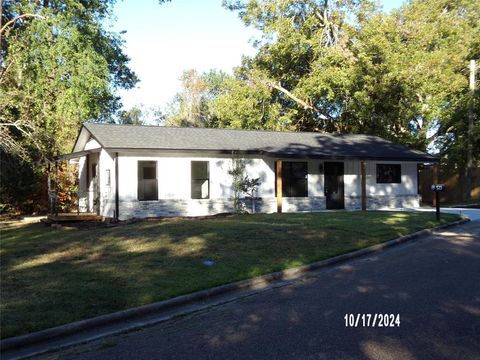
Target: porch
{"points": [[88, 191]]}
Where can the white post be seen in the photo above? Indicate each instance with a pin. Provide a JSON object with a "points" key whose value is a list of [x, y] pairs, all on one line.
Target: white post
{"points": [[471, 116]]}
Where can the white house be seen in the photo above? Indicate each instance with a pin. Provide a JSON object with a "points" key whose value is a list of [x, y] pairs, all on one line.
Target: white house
{"points": [[145, 171]]}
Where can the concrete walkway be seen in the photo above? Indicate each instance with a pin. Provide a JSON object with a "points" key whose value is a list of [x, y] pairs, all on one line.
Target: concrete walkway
{"points": [[472, 214]]}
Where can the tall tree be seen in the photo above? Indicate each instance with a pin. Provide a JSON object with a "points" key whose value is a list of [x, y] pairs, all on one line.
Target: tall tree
{"points": [[191, 106], [132, 116], [340, 65], [59, 68]]}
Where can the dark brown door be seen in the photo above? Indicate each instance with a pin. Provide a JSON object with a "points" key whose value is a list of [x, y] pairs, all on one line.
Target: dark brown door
{"points": [[334, 191]]}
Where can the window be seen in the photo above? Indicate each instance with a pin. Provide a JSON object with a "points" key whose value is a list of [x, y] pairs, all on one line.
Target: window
{"points": [[200, 180], [147, 180], [107, 177], [389, 173], [294, 179]]}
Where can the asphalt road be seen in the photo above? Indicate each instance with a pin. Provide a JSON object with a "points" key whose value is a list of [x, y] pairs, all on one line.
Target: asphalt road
{"points": [[432, 283]]}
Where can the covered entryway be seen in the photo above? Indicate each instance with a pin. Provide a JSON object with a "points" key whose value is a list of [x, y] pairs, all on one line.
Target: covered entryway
{"points": [[88, 187], [334, 185]]}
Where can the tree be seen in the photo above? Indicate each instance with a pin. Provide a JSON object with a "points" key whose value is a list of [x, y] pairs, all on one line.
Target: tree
{"points": [[246, 104], [141, 115], [302, 57], [191, 106], [344, 66], [59, 68], [133, 116], [242, 185]]}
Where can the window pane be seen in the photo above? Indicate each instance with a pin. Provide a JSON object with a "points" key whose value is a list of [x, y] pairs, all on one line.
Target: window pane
{"points": [[204, 189], [200, 189], [200, 181], [199, 169], [389, 173], [294, 179], [147, 180], [149, 173], [107, 177], [299, 170], [299, 188]]}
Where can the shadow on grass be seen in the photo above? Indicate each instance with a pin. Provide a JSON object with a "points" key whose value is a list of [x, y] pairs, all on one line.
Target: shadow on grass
{"points": [[432, 285], [52, 277]]}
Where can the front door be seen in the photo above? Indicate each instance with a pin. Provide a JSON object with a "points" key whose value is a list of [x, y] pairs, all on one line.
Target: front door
{"points": [[334, 192]]}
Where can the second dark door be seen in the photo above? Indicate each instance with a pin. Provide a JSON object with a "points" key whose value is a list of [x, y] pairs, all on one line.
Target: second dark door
{"points": [[334, 191]]}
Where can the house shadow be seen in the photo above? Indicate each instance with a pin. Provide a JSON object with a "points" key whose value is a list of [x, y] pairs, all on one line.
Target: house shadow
{"points": [[75, 273], [339, 146]]}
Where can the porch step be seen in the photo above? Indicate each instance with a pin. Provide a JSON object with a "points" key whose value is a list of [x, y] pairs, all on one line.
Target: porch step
{"points": [[67, 217]]}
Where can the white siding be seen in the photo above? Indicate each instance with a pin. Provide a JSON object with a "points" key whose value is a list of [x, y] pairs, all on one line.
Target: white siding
{"points": [[353, 186], [408, 186], [92, 144], [174, 178], [174, 185], [82, 185], [107, 192]]}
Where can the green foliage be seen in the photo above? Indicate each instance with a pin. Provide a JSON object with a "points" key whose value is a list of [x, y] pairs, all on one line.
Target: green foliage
{"points": [[191, 107], [242, 185], [21, 186], [60, 67], [141, 115], [344, 66], [132, 116]]}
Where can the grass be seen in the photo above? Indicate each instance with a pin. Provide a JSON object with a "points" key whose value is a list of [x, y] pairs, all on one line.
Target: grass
{"points": [[52, 276], [462, 203]]}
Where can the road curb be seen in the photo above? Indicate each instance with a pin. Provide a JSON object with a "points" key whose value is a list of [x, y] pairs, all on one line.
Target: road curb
{"points": [[288, 274]]}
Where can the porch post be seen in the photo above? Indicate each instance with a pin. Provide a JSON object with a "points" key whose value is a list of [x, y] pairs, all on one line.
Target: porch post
{"points": [[279, 186], [49, 189], [117, 199], [78, 188], [98, 194], [364, 184], [55, 206]]}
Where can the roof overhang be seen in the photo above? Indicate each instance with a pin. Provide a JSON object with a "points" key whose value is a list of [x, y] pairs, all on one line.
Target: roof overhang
{"points": [[273, 153], [82, 138], [76, 155]]}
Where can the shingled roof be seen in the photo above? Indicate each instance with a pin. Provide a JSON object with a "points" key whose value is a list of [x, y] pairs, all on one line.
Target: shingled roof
{"points": [[273, 143]]}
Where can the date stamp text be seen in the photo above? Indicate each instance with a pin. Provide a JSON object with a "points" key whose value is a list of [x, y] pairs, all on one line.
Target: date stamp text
{"points": [[372, 320]]}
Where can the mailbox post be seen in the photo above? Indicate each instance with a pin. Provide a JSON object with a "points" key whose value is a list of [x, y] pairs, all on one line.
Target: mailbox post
{"points": [[437, 188]]}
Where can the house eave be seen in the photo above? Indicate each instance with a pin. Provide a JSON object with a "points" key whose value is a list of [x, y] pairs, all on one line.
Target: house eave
{"points": [[88, 135], [277, 154], [77, 154]]}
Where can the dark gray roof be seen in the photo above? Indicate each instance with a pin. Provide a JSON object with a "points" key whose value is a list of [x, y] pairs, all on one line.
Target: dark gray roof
{"points": [[285, 144]]}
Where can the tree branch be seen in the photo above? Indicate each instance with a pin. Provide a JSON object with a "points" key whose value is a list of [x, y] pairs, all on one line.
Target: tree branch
{"points": [[303, 103], [16, 18]]}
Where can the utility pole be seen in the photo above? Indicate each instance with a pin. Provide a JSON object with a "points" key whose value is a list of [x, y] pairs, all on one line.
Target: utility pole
{"points": [[471, 116]]}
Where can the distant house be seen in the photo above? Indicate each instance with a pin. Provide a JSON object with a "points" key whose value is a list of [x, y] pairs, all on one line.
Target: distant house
{"points": [[142, 171]]}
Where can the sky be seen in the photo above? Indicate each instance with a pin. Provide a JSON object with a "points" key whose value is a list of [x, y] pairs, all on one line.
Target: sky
{"points": [[164, 40]]}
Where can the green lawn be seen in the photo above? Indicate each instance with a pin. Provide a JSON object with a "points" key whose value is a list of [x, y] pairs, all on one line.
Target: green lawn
{"points": [[52, 276]]}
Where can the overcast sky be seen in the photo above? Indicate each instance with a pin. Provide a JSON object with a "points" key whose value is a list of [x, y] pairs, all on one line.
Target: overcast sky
{"points": [[163, 40]]}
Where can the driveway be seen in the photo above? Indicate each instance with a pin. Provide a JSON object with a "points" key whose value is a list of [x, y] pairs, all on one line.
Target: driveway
{"points": [[432, 283], [472, 214]]}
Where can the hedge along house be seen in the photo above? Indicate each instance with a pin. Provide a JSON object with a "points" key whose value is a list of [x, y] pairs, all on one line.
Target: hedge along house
{"points": [[130, 171]]}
